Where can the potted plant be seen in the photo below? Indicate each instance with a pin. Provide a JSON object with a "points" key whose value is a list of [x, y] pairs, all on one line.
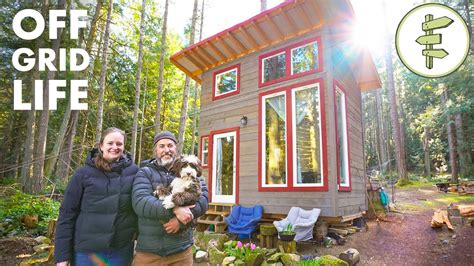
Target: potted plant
{"points": [[287, 234]]}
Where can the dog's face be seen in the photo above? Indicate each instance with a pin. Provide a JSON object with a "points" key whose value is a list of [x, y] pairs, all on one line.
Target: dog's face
{"points": [[187, 167]]}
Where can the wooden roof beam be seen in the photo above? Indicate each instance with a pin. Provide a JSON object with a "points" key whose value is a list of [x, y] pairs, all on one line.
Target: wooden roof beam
{"points": [[214, 61], [274, 27], [289, 21], [236, 41], [260, 32], [187, 72], [190, 57], [249, 37], [216, 50], [302, 14], [229, 49], [206, 63], [318, 12]]}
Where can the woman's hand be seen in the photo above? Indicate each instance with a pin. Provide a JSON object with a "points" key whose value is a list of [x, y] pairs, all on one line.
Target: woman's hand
{"points": [[62, 263]]}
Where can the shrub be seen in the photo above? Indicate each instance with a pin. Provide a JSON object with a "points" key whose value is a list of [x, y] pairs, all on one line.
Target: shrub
{"points": [[15, 204]]}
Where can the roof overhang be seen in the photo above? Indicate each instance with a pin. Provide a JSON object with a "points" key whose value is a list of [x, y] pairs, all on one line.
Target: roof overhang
{"points": [[290, 19]]}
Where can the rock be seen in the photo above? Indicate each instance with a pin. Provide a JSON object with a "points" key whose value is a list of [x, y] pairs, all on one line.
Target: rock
{"points": [[254, 259], [331, 260], [270, 251], [290, 259], [351, 256], [228, 260], [41, 247], [202, 239], [215, 256], [201, 256], [275, 257], [43, 240]]}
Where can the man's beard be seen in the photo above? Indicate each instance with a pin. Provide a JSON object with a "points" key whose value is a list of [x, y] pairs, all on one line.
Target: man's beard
{"points": [[165, 162]]}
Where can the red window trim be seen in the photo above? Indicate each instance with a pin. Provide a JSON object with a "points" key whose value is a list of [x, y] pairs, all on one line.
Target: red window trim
{"points": [[237, 159], [287, 51], [289, 137], [338, 85], [204, 166], [227, 94]]}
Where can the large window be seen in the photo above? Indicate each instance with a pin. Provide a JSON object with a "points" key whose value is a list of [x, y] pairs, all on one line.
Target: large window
{"points": [[295, 60], [224, 166], [204, 152], [226, 82], [342, 143], [306, 136], [274, 146], [291, 134]]}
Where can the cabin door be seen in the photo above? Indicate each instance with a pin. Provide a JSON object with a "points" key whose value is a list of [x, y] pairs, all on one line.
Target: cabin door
{"points": [[224, 167]]}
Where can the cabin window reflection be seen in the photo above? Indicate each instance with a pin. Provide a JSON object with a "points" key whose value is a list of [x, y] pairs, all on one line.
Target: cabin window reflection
{"points": [[275, 140], [274, 67], [306, 136], [342, 141], [304, 58]]}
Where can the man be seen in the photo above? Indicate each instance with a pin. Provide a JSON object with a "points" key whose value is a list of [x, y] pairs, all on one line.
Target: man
{"points": [[163, 237]]}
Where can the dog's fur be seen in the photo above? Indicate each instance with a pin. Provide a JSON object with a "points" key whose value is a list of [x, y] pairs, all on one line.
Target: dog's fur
{"points": [[185, 189]]}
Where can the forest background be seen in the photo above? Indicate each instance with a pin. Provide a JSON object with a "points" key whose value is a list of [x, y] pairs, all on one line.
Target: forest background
{"points": [[412, 125]]}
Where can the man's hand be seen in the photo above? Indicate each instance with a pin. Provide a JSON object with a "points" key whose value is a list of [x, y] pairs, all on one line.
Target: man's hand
{"points": [[184, 213], [172, 226], [62, 263]]}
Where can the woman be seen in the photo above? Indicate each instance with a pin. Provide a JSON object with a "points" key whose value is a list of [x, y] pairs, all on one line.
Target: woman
{"points": [[97, 224]]}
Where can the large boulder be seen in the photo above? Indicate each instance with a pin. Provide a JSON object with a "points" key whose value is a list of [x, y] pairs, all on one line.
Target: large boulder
{"points": [[290, 259], [215, 256], [202, 239]]}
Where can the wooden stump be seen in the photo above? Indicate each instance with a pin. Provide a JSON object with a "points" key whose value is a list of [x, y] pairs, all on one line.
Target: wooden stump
{"points": [[51, 229], [287, 246], [267, 235]]}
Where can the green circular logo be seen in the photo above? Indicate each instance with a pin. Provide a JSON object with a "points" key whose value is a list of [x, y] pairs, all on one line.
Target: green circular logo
{"points": [[432, 40]]}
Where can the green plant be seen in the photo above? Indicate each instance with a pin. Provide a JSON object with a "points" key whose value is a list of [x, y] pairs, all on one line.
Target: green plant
{"points": [[288, 230], [15, 205], [246, 252]]}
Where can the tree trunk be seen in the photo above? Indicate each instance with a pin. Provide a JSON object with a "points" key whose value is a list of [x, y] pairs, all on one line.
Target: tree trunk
{"points": [[30, 132], [463, 147], [40, 150], [137, 83], [399, 148], [263, 5], [426, 150], [142, 126], [103, 75], [380, 126], [159, 95], [196, 89], [466, 6], [64, 161], [184, 107], [451, 140]]}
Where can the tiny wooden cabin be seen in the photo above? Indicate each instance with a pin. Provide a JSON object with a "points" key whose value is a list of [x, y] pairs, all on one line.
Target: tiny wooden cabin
{"points": [[280, 121]]}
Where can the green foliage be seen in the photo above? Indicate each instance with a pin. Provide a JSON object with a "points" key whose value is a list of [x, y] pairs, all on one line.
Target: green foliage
{"points": [[288, 230], [14, 205], [245, 252], [310, 262]]}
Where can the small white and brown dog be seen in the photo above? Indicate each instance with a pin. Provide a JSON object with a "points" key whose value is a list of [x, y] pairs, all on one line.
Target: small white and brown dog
{"points": [[185, 189]]}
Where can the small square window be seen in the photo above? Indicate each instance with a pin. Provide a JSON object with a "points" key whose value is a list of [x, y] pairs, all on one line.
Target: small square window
{"points": [[226, 82], [274, 67], [304, 58]]}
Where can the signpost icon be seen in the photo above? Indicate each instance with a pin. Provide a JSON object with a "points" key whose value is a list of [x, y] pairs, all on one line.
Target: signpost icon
{"points": [[429, 39]]}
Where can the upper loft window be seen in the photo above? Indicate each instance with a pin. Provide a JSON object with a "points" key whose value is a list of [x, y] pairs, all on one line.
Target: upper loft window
{"points": [[293, 61], [226, 82]]}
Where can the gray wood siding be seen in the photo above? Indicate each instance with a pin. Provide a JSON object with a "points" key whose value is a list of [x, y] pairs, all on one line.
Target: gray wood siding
{"points": [[355, 200], [226, 113]]}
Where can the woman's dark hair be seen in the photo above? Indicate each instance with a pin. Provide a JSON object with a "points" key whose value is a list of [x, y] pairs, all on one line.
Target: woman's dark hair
{"points": [[100, 162]]}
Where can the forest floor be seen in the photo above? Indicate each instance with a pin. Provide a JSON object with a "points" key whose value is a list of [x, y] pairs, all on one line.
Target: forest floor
{"points": [[406, 238], [402, 238]]}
